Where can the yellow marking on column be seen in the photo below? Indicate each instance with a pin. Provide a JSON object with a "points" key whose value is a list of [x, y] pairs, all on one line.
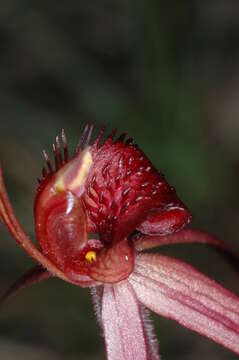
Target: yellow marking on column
{"points": [[85, 164], [79, 167], [60, 186], [90, 256]]}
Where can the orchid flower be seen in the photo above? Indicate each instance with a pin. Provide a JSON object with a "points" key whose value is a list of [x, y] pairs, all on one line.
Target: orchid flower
{"points": [[95, 215]]}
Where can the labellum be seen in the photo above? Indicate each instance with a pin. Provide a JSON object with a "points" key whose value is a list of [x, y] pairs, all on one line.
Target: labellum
{"points": [[94, 216], [111, 190]]}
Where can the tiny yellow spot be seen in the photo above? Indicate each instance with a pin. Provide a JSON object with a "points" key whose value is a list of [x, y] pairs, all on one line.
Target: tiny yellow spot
{"points": [[60, 187], [90, 256], [84, 163]]}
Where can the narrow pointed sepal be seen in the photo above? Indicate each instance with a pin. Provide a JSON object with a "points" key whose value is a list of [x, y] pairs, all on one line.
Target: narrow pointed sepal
{"points": [[185, 236], [189, 236], [122, 323], [31, 277], [177, 291]]}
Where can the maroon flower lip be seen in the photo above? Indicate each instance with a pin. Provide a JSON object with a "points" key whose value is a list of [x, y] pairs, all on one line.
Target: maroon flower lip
{"points": [[94, 215], [115, 190], [123, 190]]}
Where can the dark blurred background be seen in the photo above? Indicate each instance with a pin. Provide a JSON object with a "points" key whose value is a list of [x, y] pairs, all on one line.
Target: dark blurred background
{"points": [[164, 71]]}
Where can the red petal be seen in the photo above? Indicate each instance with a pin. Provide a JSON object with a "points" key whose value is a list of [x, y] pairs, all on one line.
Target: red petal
{"points": [[122, 323], [185, 236], [189, 236], [150, 339], [176, 290]]}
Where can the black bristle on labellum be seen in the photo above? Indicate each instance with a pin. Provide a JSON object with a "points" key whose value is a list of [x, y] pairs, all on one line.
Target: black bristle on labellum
{"points": [[59, 154], [55, 156], [65, 146], [111, 136], [83, 139], [129, 141], [48, 161], [44, 172], [89, 135], [121, 138], [99, 137]]}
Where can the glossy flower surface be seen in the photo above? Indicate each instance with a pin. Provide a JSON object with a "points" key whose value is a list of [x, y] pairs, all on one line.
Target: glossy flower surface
{"points": [[95, 214]]}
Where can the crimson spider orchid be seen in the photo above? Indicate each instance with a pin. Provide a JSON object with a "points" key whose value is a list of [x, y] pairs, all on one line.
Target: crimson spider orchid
{"points": [[95, 215]]}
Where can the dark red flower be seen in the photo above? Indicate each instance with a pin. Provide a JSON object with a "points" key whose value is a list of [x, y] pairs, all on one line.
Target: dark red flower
{"points": [[93, 215]]}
